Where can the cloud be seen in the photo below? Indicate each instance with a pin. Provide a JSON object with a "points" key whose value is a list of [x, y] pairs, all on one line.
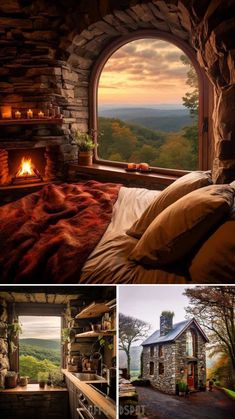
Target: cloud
{"points": [[44, 327], [147, 64]]}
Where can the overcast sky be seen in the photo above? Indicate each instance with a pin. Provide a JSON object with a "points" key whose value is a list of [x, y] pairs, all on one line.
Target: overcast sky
{"points": [[146, 71], [46, 327], [147, 302]]}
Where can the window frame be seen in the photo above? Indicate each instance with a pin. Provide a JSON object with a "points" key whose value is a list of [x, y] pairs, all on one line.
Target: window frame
{"points": [[160, 351], [36, 309], [192, 342], [151, 368], [205, 99], [161, 368]]}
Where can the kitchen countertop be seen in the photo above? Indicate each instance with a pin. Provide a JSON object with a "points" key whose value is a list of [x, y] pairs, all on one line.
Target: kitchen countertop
{"points": [[107, 406], [32, 388]]}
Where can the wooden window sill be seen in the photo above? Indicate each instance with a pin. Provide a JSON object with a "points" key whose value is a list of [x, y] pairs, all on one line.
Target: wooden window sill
{"points": [[111, 172]]}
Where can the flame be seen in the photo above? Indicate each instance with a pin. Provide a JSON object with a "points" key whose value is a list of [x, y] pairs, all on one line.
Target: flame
{"points": [[26, 167]]}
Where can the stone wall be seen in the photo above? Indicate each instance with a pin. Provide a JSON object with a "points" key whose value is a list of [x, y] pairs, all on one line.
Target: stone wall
{"points": [[182, 359], [4, 359], [174, 359], [165, 382], [48, 50]]}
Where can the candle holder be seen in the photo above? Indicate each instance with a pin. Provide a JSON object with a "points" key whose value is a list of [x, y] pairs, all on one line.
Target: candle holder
{"points": [[6, 112]]}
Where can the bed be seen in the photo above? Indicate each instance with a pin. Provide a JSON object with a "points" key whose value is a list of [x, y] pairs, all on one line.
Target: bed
{"points": [[90, 233], [109, 263]]}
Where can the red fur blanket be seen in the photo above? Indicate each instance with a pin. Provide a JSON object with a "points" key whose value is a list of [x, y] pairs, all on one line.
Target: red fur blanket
{"points": [[47, 236]]}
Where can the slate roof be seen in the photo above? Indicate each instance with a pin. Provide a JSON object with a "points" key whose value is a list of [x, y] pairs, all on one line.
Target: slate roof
{"points": [[177, 329]]}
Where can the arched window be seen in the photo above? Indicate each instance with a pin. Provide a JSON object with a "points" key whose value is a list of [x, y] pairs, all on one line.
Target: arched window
{"points": [[150, 104], [190, 343]]}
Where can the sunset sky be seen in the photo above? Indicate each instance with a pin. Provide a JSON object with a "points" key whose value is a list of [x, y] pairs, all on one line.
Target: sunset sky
{"points": [[143, 72]]}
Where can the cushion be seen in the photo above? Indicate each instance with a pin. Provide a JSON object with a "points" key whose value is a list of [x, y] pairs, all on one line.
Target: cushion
{"points": [[176, 190], [215, 260], [181, 226]]}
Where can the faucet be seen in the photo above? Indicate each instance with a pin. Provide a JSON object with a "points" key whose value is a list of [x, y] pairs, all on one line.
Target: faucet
{"points": [[105, 370]]}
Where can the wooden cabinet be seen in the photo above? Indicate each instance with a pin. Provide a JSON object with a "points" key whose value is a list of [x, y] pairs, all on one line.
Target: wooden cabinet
{"points": [[37, 405]]}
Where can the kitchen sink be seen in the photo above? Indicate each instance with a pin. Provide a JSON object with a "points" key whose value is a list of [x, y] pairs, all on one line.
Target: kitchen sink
{"points": [[89, 377]]}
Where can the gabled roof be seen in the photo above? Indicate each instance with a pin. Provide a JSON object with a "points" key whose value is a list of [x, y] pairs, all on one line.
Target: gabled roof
{"points": [[176, 331]]}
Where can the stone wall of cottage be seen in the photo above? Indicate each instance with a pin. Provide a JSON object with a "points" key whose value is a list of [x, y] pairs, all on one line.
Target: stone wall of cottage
{"points": [[175, 359], [4, 359], [165, 382], [182, 359], [48, 50]]}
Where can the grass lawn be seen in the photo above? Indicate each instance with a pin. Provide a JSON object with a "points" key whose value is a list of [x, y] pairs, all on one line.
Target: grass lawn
{"points": [[230, 392], [134, 374]]}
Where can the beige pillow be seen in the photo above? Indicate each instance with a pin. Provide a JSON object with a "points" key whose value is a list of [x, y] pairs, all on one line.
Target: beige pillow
{"points": [[176, 190], [181, 226], [215, 260]]}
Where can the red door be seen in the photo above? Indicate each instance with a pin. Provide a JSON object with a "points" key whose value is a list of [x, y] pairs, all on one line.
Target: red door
{"points": [[190, 376]]}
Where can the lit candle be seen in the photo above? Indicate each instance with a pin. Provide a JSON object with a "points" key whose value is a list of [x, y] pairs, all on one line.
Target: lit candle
{"points": [[17, 114], [41, 114], [6, 112], [30, 114]]}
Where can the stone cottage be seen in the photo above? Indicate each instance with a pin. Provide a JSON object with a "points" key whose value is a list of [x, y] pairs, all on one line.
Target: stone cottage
{"points": [[176, 352]]}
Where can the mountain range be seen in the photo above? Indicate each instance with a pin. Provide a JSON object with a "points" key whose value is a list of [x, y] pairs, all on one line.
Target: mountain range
{"points": [[157, 119]]}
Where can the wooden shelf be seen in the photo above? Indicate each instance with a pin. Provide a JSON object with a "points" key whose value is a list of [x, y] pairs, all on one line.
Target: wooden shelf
{"points": [[93, 310], [92, 334], [33, 121]]}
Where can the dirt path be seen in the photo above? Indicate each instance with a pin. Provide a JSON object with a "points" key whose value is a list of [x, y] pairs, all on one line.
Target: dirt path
{"points": [[201, 405]]}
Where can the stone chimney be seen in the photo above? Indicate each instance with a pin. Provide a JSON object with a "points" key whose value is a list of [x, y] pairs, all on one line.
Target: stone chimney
{"points": [[166, 322]]}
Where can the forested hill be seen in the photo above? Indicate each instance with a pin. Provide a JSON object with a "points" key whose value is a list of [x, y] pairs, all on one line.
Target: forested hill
{"points": [[157, 119], [44, 343], [41, 349], [126, 142]]}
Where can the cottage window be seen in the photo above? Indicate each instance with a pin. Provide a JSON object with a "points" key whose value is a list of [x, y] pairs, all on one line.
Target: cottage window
{"points": [[161, 368], [151, 368], [160, 351], [151, 350], [127, 86], [190, 343]]}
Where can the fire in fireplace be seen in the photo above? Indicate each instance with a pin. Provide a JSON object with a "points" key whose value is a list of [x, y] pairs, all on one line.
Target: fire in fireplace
{"points": [[27, 172]]}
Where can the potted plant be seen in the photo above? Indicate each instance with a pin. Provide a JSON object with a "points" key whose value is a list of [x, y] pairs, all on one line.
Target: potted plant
{"points": [[85, 145], [11, 379], [42, 379], [182, 387]]}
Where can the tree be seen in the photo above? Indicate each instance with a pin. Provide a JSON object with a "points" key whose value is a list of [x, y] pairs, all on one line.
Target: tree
{"points": [[191, 99], [130, 330], [214, 307], [30, 366]]}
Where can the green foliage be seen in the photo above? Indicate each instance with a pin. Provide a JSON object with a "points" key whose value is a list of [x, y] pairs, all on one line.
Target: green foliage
{"points": [[191, 99], [230, 392], [125, 142], [43, 376], [83, 140], [168, 313], [182, 386], [40, 353], [30, 366]]}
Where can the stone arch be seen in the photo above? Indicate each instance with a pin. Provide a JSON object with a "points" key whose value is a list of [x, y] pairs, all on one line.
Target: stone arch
{"points": [[86, 49]]}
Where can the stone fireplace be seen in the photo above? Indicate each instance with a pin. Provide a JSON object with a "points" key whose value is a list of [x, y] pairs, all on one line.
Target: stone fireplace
{"points": [[43, 144]]}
